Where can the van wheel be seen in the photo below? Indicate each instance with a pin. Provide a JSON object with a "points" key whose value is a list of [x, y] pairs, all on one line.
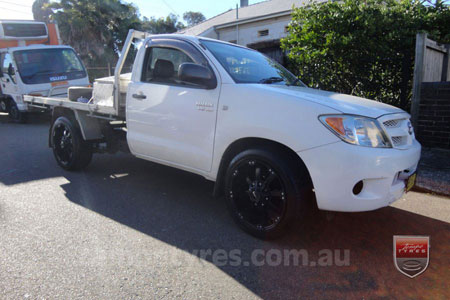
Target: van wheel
{"points": [[70, 150], [15, 114], [3, 105], [265, 192]]}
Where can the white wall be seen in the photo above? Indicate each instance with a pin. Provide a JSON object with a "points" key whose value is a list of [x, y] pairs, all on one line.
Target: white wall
{"points": [[248, 33]]}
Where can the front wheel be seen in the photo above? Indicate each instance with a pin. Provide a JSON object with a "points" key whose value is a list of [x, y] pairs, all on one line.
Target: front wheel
{"points": [[265, 192], [3, 105], [70, 150], [15, 114]]}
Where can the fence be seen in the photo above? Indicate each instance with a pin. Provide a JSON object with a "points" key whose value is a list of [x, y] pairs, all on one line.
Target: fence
{"points": [[430, 105], [99, 72]]}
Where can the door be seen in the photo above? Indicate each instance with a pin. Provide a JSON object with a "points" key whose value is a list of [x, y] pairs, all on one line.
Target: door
{"points": [[8, 80], [169, 120]]}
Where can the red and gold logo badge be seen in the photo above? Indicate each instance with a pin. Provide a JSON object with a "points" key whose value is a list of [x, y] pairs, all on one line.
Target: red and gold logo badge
{"points": [[411, 254]]}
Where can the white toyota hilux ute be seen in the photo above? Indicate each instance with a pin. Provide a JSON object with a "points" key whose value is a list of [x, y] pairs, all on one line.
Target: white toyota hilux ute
{"points": [[234, 116]]}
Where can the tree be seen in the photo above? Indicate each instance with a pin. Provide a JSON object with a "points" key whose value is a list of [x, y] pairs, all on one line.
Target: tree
{"points": [[95, 29], [169, 24], [362, 47], [193, 18], [41, 10]]}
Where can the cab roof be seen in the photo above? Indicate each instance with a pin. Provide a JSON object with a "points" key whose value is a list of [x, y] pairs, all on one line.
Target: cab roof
{"points": [[191, 38], [34, 47]]}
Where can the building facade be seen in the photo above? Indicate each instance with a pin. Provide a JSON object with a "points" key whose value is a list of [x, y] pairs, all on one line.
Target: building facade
{"points": [[259, 26]]}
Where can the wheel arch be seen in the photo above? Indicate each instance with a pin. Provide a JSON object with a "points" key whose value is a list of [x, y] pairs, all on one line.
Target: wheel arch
{"points": [[91, 128], [243, 144]]}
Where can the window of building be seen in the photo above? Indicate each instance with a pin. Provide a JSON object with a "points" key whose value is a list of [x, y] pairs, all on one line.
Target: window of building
{"points": [[264, 32]]}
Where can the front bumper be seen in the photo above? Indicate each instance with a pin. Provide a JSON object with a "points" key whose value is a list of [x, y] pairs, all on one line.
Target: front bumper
{"points": [[336, 168]]}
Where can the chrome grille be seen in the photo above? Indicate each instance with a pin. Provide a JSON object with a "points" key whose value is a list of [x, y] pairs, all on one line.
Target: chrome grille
{"points": [[398, 140], [393, 123], [397, 127]]}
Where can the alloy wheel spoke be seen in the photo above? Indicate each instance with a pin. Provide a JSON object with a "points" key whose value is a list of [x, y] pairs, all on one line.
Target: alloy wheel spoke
{"points": [[257, 174]]}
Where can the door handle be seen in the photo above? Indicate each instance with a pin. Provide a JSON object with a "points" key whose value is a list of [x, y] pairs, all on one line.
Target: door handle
{"points": [[139, 96]]}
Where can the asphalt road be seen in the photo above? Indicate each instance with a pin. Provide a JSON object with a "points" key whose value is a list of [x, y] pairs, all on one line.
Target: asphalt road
{"points": [[125, 228]]}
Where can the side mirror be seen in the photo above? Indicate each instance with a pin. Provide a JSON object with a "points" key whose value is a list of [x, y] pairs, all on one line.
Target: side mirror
{"points": [[1, 72], [197, 74], [11, 71]]}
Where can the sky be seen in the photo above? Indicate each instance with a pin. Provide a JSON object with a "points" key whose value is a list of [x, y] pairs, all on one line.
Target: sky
{"points": [[21, 9]]}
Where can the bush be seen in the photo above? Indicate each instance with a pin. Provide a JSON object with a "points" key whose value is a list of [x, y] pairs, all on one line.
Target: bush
{"points": [[362, 47]]}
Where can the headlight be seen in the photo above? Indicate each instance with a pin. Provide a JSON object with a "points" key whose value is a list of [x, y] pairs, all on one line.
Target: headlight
{"points": [[357, 130]]}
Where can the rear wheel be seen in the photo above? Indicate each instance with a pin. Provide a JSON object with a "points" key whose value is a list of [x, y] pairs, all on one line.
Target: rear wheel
{"points": [[265, 192], [70, 150], [15, 114]]}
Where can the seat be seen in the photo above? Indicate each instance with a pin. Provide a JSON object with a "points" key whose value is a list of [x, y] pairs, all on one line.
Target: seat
{"points": [[164, 70]]}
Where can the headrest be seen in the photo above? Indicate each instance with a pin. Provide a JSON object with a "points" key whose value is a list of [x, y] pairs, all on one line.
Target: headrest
{"points": [[163, 69]]}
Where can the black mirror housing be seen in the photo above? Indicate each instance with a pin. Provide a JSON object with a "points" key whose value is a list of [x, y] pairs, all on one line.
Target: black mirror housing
{"points": [[1, 72], [197, 74], [11, 71]]}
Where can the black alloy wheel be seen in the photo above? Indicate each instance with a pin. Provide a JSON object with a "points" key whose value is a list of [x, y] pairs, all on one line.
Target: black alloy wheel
{"points": [[265, 191], [258, 194], [70, 150], [63, 144]]}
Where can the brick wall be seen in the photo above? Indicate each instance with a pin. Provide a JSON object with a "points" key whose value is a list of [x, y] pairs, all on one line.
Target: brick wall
{"points": [[433, 126]]}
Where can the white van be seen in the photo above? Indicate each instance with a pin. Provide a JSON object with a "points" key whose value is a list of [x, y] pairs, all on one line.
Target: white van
{"points": [[33, 63]]}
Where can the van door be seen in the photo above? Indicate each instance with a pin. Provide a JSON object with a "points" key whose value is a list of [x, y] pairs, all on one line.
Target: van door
{"points": [[8, 80], [170, 121]]}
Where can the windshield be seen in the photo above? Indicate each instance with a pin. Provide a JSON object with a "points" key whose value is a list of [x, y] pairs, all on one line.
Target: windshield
{"points": [[250, 66], [48, 65]]}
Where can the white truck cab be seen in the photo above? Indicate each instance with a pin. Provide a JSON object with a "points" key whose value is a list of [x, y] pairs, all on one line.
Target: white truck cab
{"points": [[27, 68], [234, 116]]}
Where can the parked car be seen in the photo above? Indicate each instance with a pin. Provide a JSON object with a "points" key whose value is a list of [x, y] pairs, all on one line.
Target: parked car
{"points": [[234, 116]]}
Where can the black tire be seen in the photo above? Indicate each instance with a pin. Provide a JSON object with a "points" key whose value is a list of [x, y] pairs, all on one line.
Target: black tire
{"points": [[264, 203], [15, 114], [70, 150]]}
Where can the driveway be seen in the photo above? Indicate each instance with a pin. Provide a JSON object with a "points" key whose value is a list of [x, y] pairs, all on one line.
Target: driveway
{"points": [[127, 228]]}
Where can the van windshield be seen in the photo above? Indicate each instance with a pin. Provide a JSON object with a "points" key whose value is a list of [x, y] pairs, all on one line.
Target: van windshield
{"points": [[250, 66], [48, 65]]}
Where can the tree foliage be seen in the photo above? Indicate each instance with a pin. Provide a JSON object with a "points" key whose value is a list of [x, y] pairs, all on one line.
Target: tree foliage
{"points": [[193, 18], [363, 47], [97, 29], [169, 24], [41, 10]]}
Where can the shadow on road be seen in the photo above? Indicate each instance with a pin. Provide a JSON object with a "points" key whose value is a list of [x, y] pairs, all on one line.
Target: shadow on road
{"points": [[32, 119], [177, 208]]}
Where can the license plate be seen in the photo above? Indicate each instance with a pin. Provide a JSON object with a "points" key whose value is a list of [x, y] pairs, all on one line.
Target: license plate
{"points": [[410, 182]]}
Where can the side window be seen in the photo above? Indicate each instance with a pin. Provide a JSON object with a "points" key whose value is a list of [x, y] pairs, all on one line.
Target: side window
{"points": [[162, 65], [7, 67]]}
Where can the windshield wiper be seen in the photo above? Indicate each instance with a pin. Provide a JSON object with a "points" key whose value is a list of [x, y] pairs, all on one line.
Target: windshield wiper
{"points": [[271, 80], [40, 73]]}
